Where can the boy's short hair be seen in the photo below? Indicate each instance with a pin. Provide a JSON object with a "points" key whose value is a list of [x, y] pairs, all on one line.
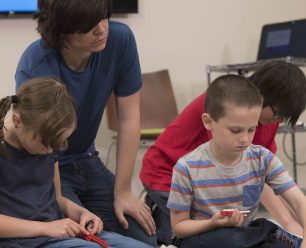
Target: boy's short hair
{"points": [[283, 87], [230, 89], [59, 17]]}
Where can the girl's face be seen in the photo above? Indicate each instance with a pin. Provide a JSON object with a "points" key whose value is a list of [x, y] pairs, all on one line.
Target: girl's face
{"points": [[234, 132], [27, 139], [92, 41], [32, 143]]}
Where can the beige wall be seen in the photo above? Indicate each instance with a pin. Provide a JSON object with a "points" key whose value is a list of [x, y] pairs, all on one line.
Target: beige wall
{"points": [[183, 36]]}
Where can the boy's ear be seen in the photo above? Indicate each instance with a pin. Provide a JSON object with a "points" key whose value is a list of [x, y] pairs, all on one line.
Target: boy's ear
{"points": [[207, 121]]}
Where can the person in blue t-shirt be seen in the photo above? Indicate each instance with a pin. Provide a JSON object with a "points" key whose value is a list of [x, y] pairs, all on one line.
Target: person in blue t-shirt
{"points": [[33, 212], [94, 56]]}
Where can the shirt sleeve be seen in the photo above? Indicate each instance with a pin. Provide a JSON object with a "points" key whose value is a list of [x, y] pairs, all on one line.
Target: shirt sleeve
{"points": [[129, 77], [276, 174], [181, 193]]}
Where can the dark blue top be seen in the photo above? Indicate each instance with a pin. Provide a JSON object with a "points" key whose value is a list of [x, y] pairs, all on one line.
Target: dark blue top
{"points": [[27, 190], [116, 68]]}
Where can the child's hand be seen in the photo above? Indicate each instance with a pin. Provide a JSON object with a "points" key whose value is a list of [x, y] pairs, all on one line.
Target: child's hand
{"points": [[64, 228], [236, 219], [91, 222]]}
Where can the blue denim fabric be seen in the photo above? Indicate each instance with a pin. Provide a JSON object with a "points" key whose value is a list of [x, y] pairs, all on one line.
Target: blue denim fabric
{"points": [[114, 240], [161, 215], [87, 182], [259, 234]]}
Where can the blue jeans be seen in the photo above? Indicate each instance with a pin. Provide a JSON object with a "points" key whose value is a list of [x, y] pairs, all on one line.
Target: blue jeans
{"points": [[88, 183], [261, 233], [114, 240], [161, 215]]}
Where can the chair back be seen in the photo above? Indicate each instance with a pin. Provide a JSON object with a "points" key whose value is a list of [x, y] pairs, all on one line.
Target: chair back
{"points": [[157, 102]]}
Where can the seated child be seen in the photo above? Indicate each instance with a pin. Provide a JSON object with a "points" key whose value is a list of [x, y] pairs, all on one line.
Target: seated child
{"points": [[229, 172], [33, 212]]}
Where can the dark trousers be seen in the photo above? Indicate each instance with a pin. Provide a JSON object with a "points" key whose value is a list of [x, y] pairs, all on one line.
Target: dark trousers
{"points": [[88, 183], [259, 234]]}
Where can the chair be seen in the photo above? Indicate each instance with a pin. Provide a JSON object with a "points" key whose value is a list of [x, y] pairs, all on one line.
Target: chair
{"points": [[157, 108]]}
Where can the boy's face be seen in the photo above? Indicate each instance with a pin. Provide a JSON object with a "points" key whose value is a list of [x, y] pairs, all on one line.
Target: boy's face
{"points": [[233, 132], [92, 41], [269, 115]]}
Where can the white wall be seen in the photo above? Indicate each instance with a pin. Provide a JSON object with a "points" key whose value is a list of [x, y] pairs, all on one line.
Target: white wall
{"points": [[183, 36]]}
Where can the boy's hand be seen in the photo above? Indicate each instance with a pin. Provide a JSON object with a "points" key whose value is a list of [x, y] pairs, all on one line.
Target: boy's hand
{"points": [[236, 219], [64, 228], [91, 222]]}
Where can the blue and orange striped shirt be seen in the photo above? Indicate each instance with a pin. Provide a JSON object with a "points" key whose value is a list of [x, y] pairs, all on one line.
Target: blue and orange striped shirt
{"points": [[203, 186]]}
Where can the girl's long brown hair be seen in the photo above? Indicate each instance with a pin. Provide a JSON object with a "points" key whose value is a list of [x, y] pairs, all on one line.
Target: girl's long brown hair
{"points": [[45, 107]]}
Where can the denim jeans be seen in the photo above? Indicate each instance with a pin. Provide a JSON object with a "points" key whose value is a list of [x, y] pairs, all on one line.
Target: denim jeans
{"points": [[88, 183], [114, 240], [259, 234], [161, 215]]}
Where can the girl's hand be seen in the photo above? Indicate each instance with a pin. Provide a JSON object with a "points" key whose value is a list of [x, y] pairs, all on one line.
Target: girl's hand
{"points": [[91, 222], [64, 228]]}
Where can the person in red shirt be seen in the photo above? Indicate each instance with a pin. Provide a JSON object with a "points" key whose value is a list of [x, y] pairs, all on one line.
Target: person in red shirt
{"points": [[283, 87]]}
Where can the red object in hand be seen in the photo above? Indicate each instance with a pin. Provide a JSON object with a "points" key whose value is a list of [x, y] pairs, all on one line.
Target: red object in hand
{"points": [[229, 212], [226, 212], [94, 238]]}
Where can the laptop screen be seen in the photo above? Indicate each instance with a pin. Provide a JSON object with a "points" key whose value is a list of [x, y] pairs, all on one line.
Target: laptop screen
{"points": [[282, 40]]}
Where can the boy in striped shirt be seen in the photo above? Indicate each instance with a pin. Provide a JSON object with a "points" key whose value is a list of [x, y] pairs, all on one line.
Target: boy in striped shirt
{"points": [[230, 172]]}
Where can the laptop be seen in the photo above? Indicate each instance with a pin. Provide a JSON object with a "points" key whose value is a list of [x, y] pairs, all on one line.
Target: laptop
{"points": [[282, 40]]}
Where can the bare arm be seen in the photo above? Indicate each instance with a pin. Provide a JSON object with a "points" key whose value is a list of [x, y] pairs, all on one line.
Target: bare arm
{"points": [[297, 201], [127, 147], [18, 228], [73, 211], [183, 226], [280, 211]]}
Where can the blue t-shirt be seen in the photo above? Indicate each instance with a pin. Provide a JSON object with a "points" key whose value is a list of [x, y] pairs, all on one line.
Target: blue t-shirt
{"points": [[27, 191], [115, 68]]}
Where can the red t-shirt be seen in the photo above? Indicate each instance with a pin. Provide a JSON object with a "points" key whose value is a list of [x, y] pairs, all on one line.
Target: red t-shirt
{"points": [[182, 136]]}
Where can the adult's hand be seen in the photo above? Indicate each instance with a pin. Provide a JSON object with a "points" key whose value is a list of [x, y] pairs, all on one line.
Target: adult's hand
{"points": [[127, 204]]}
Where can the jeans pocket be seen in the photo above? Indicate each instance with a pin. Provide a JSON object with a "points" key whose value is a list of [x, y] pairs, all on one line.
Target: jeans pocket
{"points": [[251, 195]]}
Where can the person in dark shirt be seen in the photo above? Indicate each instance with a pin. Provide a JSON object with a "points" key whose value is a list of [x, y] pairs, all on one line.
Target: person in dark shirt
{"points": [[33, 212], [94, 56]]}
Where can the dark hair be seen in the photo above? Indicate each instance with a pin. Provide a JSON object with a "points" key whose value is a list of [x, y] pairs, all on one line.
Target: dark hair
{"points": [[45, 107], [59, 17], [283, 86], [232, 89]]}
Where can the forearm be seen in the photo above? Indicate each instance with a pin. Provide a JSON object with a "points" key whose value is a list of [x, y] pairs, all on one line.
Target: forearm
{"points": [[18, 228], [70, 209], [277, 209], [127, 146], [187, 228]]}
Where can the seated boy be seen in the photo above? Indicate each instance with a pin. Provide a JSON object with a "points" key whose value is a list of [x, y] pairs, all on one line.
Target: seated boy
{"points": [[229, 172]]}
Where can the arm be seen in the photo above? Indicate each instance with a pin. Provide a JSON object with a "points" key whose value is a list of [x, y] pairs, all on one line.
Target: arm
{"points": [[280, 211], [73, 211], [127, 146], [11, 227], [183, 226], [297, 201], [275, 205]]}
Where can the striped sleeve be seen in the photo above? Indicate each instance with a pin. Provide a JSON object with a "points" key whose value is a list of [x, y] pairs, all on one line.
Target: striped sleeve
{"points": [[181, 192], [277, 175]]}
